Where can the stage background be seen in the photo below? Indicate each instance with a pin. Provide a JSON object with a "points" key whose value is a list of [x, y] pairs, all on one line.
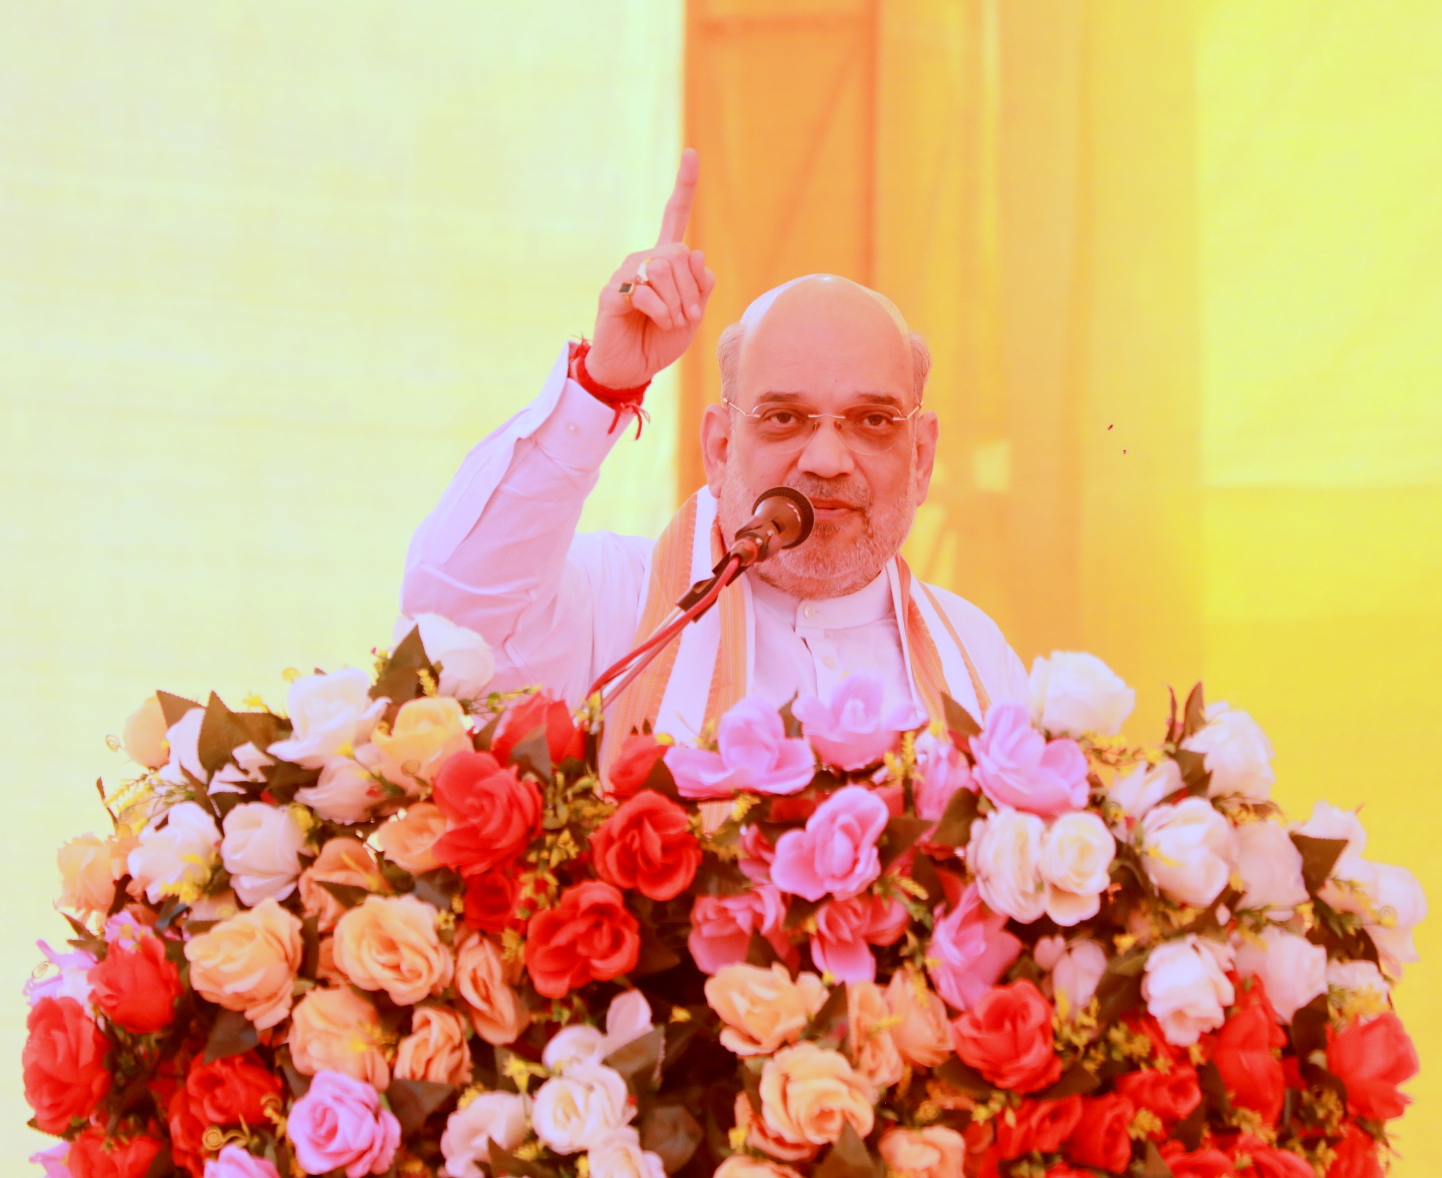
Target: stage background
{"points": [[266, 272]]}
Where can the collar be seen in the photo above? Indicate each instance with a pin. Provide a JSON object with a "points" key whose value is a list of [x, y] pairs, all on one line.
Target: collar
{"points": [[870, 603]]}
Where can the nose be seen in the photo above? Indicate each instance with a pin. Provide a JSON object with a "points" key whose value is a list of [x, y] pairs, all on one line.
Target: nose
{"points": [[825, 455]]}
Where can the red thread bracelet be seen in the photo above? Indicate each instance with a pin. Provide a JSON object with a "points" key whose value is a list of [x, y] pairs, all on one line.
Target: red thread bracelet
{"points": [[618, 399]]}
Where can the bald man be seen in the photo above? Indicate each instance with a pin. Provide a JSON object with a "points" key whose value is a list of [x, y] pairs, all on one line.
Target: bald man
{"points": [[822, 388]]}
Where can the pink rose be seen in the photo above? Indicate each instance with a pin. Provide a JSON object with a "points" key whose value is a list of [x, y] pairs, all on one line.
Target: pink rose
{"points": [[755, 754], [941, 771], [1017, 766], [234, 1162], [53, 1159], [845, 930], [721, 926], [836, 853], [339, 1123], [971, 949], [756, 855], [850, 731]]}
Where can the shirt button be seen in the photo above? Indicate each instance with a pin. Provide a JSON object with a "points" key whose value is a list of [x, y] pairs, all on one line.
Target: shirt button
{"points": [[808, 611], [572, 428], [829, 663]]}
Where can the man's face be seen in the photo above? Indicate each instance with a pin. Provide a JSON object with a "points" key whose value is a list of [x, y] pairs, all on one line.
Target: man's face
{"points": [[824, 346]]}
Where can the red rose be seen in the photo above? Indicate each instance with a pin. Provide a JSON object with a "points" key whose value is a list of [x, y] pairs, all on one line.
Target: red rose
{"points": [[1200, 1163], [1040, 1125], [1371, 1058], [232, 1089], [633, 764], [1007, 1038], [588, 936], [64, 1063], [137, 988], [1171, 1095], [1103, 1135], [186, 1132], [492, 815], [647, 844], [1062, 1170], [1142, 1023], [1248, 1061], [1268, 1162], [94, 1155], [491, 901], [1356, 1156], [563, 738]]}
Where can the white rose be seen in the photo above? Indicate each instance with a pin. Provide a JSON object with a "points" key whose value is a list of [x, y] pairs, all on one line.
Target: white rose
{"points": [[1236, 753], [627, 1019], [1330, 822], [573, 1110], [1293, 970], [1358, 977], [491, 1116], [577, 1044], [244, 767], [184, 737], [1076, 862], [176, 857], [619, 1155], [1145, 786], [329, 714], [467, 663], [345, 793], [1005, 856], [1188, 850], [1075, 967], [1076, 694], [261, 850], [1186, 988], [1398, 906], [1271, 867]]}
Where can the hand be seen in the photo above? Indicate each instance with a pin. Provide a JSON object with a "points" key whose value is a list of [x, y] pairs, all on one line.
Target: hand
{"points": [[635, 339]]}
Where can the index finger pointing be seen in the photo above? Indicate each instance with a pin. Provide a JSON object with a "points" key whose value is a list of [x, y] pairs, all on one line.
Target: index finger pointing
{"points": [[678, 208]]}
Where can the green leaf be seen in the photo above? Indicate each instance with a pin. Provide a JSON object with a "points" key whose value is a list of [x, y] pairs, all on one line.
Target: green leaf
{"points": [[310, 946], [162, 1165], [1118, 993], [954, 829], [1319, 856], [533, 755], [800, 910], [219, 737], [963, 1076], [639, 1061], [660, 780], [831, 1018], [399, 682], [1151, 1164], [413, 1101], [788, 719], [439, 887], [174, 707], [1194, 715], [900, 836], [1214, 1089], [1309, 1027], [348, 895], [1189, 1130], [655, 956], [672, 1133], [283, 779], [720, 877], [760, 952], [924, 872], [487, 735], [849, 1158], [505, 1164], [958, 719], [1075, 1079], [230, 1034], [1194, 772]]}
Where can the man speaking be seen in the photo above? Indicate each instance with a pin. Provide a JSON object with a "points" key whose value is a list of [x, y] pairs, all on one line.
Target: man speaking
{"points": [[821, 391]]}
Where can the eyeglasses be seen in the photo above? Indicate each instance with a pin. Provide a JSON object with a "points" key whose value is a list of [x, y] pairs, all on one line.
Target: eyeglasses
{"points": [[865, 429]]}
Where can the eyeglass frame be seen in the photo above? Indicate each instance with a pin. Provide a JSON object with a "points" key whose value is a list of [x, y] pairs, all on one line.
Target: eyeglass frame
{"points": [[816, 417]]}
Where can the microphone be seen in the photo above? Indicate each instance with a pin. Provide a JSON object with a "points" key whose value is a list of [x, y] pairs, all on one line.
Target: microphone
{"points": [[781, 518]]}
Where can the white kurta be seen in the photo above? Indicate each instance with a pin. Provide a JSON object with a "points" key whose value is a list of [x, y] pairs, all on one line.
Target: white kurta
{"points": [[500, 554]]}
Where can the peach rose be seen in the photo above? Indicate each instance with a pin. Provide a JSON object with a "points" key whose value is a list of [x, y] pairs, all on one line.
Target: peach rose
{"points": [[339, 1030], [868, 1037], [739, 1165], [426, 732], [390, 943], [341, 861], [809, 1092], [759, 1136], [921, 1032], [87, 873], [325, 970], [408, 839], [496, 1009], [933, 1152], [143, 737], [435, 1050], [248, 963], [763, 1009]]}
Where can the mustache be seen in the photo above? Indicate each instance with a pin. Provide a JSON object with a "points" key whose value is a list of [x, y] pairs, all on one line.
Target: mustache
{"points": [[852, 492]]}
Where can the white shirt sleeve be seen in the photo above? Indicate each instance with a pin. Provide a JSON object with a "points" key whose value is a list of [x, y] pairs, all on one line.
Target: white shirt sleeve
{"points": [[500, 553]]}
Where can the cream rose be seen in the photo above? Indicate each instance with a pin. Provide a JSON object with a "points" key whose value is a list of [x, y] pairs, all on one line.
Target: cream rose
{"points": [[261, 850], [345, 793], [497, 1012], [808, 1093], [143, 737], [1398, 906], [1076, 862], [1358, 977], [435, 1050], [1005, 856], [1188, 850], [1076, 694], [1331, 822], [341, 861], [1293, 970], [1075, 969], [390, 943], [427, 731], [868, 1039], [933, 1152], [248, 963], [575, 1109], [576, 1044], [408, 840], [177, 858], [466, 661], [740, 1165], [618, 1154], [1145, 786], [628, 1018], [759, 1136], [338, 1030], [1271, 868], [1186, 988], [500, 1117], [921, 1030], [763, 1009], [1236, 753], [329, 715], [87, 873]]}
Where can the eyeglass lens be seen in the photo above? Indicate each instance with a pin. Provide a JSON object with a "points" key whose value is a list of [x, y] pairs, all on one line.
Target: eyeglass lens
{"points": [[865, 429]]}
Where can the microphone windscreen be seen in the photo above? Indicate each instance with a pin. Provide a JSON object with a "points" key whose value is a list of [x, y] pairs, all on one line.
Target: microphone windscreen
{"points": [[793, 515]]}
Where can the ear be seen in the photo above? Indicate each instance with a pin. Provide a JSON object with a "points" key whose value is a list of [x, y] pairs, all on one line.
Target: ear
{"points": [[715, 445], [928, 429]]}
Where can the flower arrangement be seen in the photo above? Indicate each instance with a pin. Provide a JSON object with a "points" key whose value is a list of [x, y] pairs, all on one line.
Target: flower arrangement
{"points": [[408, 928]]}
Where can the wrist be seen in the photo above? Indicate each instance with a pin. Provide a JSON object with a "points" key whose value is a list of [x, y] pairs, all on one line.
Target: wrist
{"points": [[622, 400]]}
